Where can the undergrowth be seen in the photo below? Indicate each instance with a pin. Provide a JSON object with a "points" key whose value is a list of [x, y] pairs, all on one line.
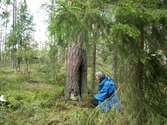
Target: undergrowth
{"points": [[35, 102]]}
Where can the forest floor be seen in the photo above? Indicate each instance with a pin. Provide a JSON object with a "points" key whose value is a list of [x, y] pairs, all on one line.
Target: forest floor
{"points": [[35, 102]]}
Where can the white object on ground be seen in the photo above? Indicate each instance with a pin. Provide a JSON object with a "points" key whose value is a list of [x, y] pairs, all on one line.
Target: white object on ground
{"points": [[2, 99], [73, 97]]}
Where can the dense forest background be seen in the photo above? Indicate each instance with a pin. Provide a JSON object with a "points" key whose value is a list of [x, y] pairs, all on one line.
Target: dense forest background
{"points": [[126, 39]]}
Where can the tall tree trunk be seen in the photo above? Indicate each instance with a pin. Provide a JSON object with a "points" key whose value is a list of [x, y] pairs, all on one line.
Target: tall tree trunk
{"points": [[27, 66], [115, 64], [141, 113], [83, 74], [18, 68], [1, 41], [93, 65], [5, 40], [76, 71], [13, 57], [13, 52]]}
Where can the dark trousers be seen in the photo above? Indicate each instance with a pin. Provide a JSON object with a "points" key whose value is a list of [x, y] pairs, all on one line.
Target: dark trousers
{"points": [[94, 101]]}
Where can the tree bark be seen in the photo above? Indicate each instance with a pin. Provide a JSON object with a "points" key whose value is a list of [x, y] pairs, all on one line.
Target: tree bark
{"points": [[142, 119], [76, 71], [1, 42], [13, 52], [115, 64], [93, 66]]}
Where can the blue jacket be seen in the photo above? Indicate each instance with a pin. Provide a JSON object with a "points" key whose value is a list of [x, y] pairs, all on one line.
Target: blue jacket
{"points": [[106, 88]]}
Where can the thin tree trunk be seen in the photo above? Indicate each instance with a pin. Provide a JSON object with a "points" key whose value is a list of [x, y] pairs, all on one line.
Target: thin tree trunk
{"points": [[93, 65], [13, 52], [19, 59], [115, 64], [142, 119], [1, 40], [5, 40], [27, 67], [83, 74]]}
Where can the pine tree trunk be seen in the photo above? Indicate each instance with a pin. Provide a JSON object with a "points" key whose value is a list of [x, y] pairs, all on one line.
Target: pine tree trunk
{"points": [[93, 65], [83, 73], [76, 71], [13, 57], [5, 41], [1, 40], [115, 64], [13, 51], [141, 113], [18, 68]]}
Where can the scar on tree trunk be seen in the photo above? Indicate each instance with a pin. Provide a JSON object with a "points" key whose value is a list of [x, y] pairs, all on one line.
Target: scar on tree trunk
{"points": [[76, 71]]}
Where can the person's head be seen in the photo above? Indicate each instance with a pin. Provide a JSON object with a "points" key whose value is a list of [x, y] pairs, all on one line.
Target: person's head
{"points": [[99, 76]]}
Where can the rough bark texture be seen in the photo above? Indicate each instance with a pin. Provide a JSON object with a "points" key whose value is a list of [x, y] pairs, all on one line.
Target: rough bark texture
{"points": [[76, 71]]}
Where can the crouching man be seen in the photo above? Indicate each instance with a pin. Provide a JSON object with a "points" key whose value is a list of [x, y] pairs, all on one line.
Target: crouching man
{"points": [[106, 96]]}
